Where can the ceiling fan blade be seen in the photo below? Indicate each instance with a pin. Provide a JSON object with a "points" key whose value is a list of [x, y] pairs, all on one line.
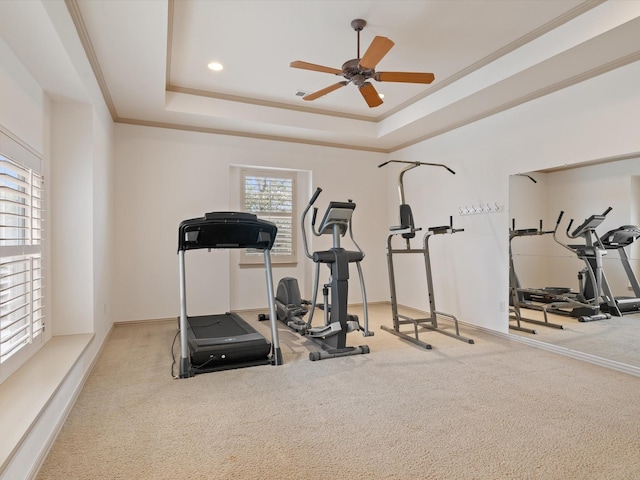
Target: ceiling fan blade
{"points": [[324, 91], [370, 95], [378, 49], [406, 77], [314, 67]]}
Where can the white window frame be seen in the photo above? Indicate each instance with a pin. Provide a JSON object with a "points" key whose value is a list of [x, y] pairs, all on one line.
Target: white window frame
{"points": [[22, 280], [249, 257]]}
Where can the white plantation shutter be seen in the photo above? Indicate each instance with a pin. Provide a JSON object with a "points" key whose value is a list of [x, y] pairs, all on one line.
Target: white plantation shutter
{"points": [[21, 273], [270, 195]]}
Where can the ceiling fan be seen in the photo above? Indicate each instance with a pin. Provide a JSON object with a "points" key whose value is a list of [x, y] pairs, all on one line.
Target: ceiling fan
{"points": [[359, 70]]}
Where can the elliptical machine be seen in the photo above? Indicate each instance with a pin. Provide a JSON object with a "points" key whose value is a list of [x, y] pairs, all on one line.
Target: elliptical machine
{"points": [[291, 308], [593, 286]]}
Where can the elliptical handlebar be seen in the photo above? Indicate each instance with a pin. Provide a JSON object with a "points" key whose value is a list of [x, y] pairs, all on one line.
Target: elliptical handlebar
{"points": [[569, 228], [354, 240], [313, 199], [315, 196], [555, 230]]}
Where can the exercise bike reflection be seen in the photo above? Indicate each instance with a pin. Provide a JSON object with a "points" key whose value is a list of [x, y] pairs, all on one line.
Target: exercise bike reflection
{"points": [[291, 308]]}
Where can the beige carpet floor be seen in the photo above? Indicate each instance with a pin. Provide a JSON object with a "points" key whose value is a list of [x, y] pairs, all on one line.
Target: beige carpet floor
{"points": [[493, 410], [616, 338]]}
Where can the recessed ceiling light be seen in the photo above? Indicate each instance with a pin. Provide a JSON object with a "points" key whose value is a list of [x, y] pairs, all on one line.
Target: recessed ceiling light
{"points": [[381, 95], [215, 66]]}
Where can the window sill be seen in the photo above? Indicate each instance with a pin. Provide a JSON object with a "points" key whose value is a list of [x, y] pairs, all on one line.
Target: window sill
{"points": [[27, 392], [273, 264]]}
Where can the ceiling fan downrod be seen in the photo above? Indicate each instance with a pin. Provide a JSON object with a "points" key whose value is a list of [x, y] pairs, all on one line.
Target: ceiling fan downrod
{"points": [[358, 24]]}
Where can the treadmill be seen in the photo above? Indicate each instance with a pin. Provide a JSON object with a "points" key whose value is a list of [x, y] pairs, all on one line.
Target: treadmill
{"points": [[216, 342], [618, 239]]}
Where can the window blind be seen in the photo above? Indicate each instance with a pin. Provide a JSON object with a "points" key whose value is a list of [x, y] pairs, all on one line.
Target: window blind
{"points": [[21, 272], [270, 196]]}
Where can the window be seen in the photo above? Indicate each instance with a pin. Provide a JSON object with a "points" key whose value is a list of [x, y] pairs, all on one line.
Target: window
{"points": [[21, 272], [270, 195]]}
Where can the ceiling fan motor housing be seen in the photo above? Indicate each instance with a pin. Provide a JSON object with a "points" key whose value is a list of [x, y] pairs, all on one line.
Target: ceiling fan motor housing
{"points": [[351, 71]]}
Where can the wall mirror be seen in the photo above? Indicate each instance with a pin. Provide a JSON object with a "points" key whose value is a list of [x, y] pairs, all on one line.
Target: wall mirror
{"points": [[559, 268]]}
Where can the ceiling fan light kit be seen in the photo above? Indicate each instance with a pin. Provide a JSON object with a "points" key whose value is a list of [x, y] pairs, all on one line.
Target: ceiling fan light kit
{"points": [[361, 69]]}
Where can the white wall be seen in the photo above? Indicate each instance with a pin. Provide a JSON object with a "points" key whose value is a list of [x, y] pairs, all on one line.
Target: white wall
{"points": [[103, 213], [22, 101], [165, 176], [596, 119], [71, 213]]}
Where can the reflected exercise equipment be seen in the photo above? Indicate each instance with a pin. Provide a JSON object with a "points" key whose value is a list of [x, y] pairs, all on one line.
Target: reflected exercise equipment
{"points": [[581, 190], [522, 297], [593, 285], [584, 305], [618, 239], [595, 299]]}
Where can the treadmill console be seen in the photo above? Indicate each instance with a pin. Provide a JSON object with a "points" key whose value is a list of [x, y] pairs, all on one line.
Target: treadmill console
{"points": [[620, 237], [226, 230]]}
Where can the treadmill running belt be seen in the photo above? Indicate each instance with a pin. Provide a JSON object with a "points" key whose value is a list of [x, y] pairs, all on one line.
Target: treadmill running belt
{"points": [[220, 342]]}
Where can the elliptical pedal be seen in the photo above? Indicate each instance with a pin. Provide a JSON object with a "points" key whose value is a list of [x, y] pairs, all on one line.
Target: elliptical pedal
{"points": [[593, 318], [325, 331]]}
